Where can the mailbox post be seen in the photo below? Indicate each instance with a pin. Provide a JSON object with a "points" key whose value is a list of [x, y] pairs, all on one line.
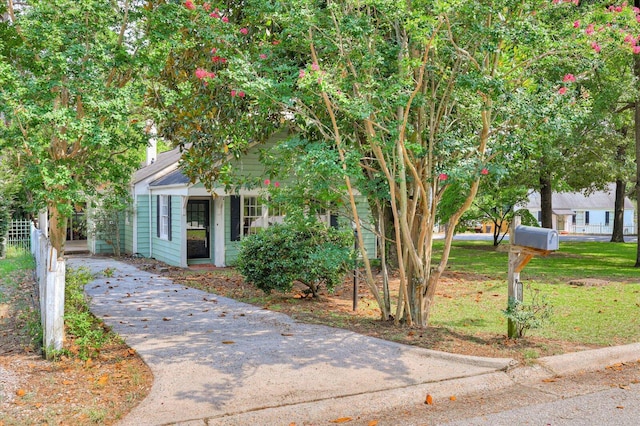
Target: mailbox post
{"points": [[525, 242]]}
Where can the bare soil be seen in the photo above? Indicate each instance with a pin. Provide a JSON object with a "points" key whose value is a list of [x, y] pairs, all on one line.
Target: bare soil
{"points": [[103, 389], [69, 390]]}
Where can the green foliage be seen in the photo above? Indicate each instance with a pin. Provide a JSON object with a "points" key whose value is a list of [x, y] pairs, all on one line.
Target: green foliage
{"points": [[89, 333], [309, 253], [529, 315], [72, 109], [107, 216]]}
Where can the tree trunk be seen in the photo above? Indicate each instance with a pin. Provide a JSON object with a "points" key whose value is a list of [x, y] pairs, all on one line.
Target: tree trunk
{"points": [[57, 228], [546, 206], [618, 214]]}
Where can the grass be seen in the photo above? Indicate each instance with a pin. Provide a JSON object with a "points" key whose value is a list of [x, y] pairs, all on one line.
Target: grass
{"points": [[15, 260], [611, 261], [606, 314]]}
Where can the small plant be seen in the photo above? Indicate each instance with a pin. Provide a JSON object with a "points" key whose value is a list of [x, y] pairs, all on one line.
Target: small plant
{"points": [[89, 333], [309, 253], [108, 273], [529, 316]]}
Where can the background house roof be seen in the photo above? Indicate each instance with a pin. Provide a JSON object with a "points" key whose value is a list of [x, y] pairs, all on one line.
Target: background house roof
{"points": [[563, 201]]}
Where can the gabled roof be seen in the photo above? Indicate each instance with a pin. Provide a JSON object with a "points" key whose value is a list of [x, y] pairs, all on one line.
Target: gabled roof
{"points": [[164, 160], [176, 177], [572, 201]]}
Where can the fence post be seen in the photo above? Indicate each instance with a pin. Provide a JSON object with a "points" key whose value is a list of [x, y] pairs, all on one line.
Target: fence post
{"points": [[54, 305]]}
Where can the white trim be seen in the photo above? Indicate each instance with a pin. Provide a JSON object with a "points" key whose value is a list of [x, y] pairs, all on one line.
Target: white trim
{"points": [[218, 232], [183, 233], [134, 225]]}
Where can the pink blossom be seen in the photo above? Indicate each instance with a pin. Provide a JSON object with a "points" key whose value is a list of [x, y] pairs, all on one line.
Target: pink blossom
{"points": [[206, 6], [589, 29], [223, 60], [267, 182], [225, 19], [556, 1], [241, 94], [443, 176], [484, 171], [576, 24], [189, 5], [201, 73], [214, 50], [275, 42], [595, 46], [301, 74], [214, 15], [636, 49], [569, 78], [562, 90], [244, 31], [233, 93], [277, 184], [315, 66], [618, 8], [636, 10], [263, 56]]}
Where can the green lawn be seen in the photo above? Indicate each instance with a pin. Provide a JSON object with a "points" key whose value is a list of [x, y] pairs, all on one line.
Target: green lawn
{"points": [[15, 260], [604, 314]]}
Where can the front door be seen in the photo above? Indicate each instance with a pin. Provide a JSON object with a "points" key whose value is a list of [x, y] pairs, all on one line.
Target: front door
{"points": [[198, 229]]}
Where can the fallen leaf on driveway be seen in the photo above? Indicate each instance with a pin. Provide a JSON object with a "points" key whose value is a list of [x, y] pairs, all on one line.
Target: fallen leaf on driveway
{"points": [[428, 400], [342, 420], [228, 342]]}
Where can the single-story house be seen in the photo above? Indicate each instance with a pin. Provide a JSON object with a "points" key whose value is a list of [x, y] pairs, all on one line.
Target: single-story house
{"points": [[182, 223], [577, 213]]}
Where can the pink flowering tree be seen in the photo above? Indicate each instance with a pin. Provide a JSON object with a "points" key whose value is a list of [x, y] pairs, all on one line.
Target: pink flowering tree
{"points": [[606, 41], [401, 103]]}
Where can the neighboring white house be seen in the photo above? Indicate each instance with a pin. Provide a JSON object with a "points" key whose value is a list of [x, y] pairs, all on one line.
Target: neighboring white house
{"points": [[576, 213]]}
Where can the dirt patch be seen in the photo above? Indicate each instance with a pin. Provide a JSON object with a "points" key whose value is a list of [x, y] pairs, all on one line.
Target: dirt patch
{"points": [[589, 282], [68, 391]]}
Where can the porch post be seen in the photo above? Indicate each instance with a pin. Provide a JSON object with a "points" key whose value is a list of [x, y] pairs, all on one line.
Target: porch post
{"points": [[218, 231]]}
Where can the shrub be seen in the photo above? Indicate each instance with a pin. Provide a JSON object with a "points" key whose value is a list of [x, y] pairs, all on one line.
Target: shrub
{"points": [[309, 253], [531, 315]]}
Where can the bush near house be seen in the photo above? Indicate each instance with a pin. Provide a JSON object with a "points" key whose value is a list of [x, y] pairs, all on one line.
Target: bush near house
{"points": [[309, 253]]}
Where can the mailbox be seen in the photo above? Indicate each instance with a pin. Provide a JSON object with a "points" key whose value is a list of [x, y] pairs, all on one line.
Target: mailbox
{"points": [[538, 238]]}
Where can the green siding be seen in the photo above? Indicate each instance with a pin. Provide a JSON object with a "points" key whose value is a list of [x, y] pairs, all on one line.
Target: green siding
{"points": [[165, 250], [141, 215], [232, 247]]}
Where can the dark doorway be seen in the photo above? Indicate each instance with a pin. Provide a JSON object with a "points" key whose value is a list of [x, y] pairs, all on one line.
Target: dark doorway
{"points": [[198, 229]]}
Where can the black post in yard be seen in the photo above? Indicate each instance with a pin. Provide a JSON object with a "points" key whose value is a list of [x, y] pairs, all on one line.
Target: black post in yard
{"points": [[355, 270]]}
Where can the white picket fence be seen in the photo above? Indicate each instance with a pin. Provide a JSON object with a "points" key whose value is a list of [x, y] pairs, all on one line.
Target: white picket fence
{"points": [[50, 275]]}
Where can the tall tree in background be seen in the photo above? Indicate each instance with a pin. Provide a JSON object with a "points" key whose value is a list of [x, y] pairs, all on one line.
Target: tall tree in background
{"points": [[70, 97]]}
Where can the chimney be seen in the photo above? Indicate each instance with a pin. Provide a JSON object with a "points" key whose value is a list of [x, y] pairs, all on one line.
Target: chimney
{"points": [[152, 145]]}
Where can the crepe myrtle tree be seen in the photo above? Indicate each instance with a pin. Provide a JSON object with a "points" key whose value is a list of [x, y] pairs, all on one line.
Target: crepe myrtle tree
{"points": [[70, 99], [411, 100], [608, 34]]}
